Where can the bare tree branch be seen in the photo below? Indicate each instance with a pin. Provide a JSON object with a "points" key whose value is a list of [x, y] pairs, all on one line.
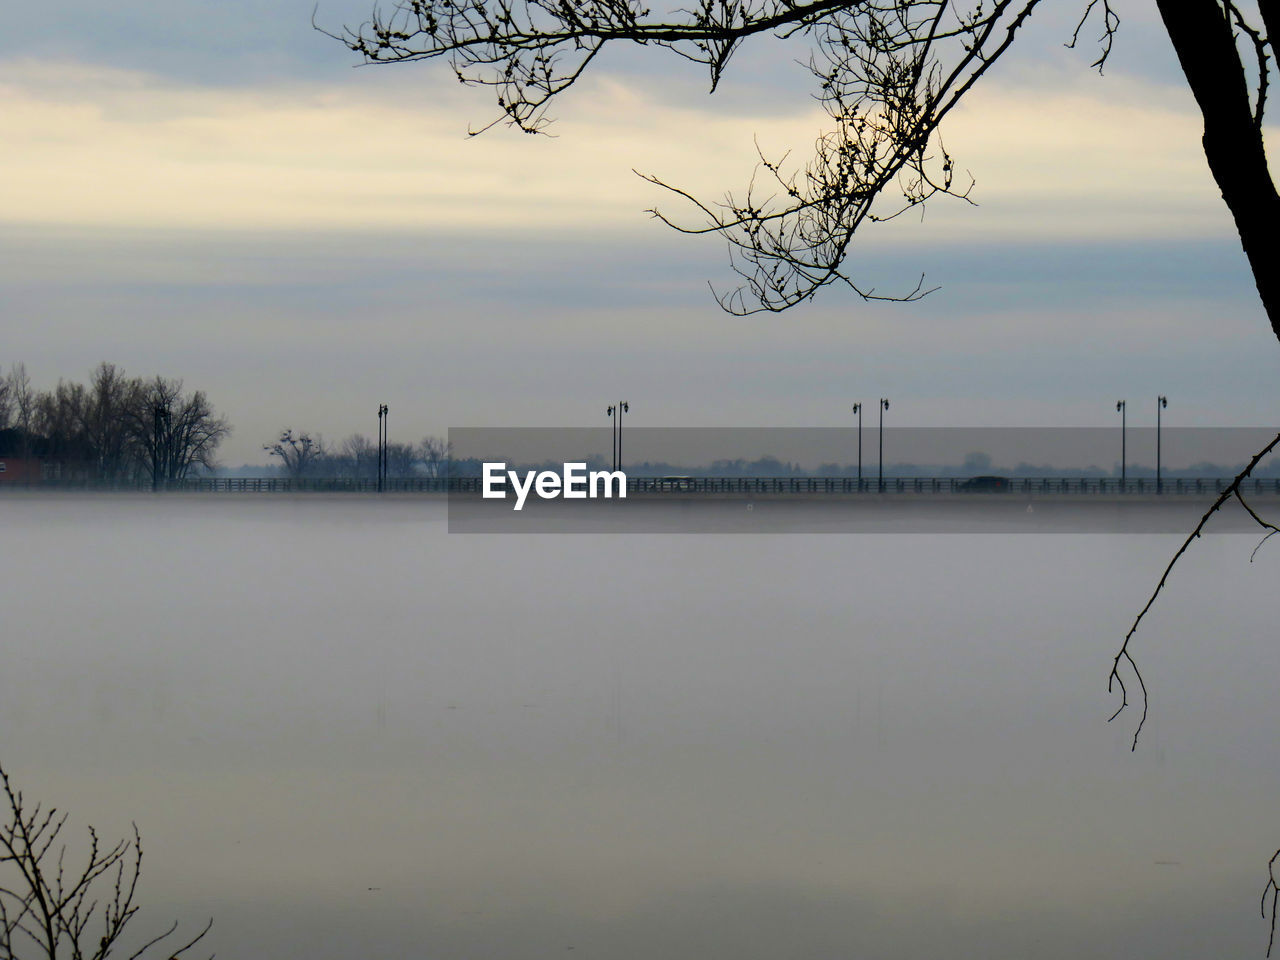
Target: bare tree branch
{"points": [[298, 454], [1232, 490], [1110, 26], [49, 912], [1273, 889]]}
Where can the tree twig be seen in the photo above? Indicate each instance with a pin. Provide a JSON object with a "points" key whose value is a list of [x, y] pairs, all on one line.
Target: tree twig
{"points": [[1123, 654], [46, 911]]}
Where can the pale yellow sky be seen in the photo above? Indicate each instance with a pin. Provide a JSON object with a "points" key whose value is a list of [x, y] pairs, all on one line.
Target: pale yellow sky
{"points": [[98, 146]]}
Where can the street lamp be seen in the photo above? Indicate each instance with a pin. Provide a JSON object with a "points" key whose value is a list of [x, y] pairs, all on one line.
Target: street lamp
{"points": [[884, 405], [382, 445], [613, 436], [1120, 408], [623, 407], [1161, 402], [616, 411], [857, 408]]}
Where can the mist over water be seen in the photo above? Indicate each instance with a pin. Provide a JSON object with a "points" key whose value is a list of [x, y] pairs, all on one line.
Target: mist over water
{"points": [[344, 733]]}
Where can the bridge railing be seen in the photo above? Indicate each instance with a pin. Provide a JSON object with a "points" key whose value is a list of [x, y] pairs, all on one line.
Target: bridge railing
{"points": [[1033, 486], [747, 486], [944, 485]]}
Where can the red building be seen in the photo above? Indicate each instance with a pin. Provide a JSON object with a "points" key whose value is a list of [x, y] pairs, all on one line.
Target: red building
{"points": [[18, 470]]}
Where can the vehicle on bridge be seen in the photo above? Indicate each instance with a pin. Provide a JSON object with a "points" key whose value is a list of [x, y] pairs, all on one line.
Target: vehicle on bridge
{"points": [[985, 485]]}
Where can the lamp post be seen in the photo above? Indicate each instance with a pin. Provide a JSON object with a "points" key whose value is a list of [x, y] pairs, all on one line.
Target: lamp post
{"points": [[623, 407], [884, 405], [1161, 402], [382, 445], [613, 436], [615, 412], [1120, 407], [857, 408]]}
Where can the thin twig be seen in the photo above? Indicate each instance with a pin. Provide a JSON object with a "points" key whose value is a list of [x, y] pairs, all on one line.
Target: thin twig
{"points": [[1232, 490], [47, 907], [1274, 890]]}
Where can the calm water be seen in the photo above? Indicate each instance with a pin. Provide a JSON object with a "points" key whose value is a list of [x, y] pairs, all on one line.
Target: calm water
{"points": [[346, 733]]}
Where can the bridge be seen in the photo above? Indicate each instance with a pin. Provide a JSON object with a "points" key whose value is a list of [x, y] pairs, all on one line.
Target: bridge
{"points": [[693, 487]]}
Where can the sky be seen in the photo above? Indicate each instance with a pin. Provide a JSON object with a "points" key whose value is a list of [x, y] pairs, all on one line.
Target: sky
{"points": [[227, 197]]}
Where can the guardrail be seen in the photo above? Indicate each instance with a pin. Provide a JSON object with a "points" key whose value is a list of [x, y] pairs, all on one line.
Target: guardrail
{"points": [[945, 485], [777, 486]]}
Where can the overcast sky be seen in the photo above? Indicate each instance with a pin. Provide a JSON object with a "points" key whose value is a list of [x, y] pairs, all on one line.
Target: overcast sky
{"points": [[216, 192]]}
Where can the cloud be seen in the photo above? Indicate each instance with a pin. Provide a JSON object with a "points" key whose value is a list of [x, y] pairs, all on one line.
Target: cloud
{"points": [[1104, 155], [98, 146], [388, 150]]}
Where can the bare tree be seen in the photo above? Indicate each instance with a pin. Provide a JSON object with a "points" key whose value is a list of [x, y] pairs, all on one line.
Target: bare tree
{"points": [[298, 454], [357, 457], [434, 452], [58, 425], [174, 431], [87, 430], [24, 400], [401, 459], [6, 403], [104, 418], [114, 428], [50, 908], [360, 456]]}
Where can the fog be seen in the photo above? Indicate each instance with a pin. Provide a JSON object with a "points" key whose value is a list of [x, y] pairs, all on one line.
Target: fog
{"points": [[344, 732]]}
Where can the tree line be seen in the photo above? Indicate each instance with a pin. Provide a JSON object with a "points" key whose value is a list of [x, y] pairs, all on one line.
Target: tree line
{"points": [[113, 429], [305, 454]]}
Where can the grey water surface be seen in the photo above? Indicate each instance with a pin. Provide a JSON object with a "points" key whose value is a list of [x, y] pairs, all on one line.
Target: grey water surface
{"points": [[344, 732]]}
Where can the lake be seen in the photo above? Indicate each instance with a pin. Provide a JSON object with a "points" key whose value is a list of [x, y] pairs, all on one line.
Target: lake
{"points": [[345, 732]]}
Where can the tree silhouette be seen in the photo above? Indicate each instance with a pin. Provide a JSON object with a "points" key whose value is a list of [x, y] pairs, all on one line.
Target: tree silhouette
{"points": [[51, 908], [298, 454], [175, 431]]}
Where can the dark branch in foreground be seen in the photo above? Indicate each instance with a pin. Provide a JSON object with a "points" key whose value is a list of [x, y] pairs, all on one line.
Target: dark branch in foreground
{"points": [[887, 73], [52, 909], [1232, 490], [1274, 890]]}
